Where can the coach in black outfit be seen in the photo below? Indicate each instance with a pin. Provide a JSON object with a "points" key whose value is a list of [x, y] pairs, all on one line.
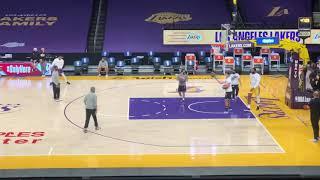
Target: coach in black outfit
{"points": [[315, 115]]}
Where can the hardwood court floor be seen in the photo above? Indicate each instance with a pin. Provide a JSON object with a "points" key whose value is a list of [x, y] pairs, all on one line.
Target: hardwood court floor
{"points": [[144, 125]]}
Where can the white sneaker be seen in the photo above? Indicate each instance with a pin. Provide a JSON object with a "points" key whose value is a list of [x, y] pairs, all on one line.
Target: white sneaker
{"points": [[248, 106], [106, 75], [315, 140], [99, 75]]}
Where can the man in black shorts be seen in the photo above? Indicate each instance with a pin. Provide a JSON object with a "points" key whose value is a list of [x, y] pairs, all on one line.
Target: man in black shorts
{"points": [[182, 79], [314, 105]]}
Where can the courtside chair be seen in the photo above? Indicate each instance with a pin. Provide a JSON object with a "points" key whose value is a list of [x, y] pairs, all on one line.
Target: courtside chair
{"points": [[135, 63], [167, 67], [202, 56], [127, 57], [111, 64], [190, 66], [150, 57], [209, 64], [156, 64], [177, 54], [176, 64], [120, 67], [77, 67], [105, 54], [85, 64]]}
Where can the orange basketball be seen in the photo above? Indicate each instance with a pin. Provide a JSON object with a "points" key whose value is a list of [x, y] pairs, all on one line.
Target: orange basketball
{"points": [[225, 86], [306, 107]]}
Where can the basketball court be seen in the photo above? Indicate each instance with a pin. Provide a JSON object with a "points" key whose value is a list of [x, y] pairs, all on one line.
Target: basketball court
{"points": [[145, 124]]}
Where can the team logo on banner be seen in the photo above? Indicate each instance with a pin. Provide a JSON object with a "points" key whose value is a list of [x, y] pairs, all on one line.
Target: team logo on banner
{"points": [[28, 20], [9, 108], [277, 11], [168, 18]]}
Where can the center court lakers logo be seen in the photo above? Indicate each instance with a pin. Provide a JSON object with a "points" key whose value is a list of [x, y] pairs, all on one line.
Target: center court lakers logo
{"points": [[9, 108]]}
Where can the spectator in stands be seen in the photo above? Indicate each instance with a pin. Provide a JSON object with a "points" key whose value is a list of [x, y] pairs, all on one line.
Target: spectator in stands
{"points": [[103, 67], [35, 56], [43, 62]]}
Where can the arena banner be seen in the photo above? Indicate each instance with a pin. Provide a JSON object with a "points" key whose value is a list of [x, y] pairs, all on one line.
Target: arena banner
{"points": [[192, 37], [282, 12], [19, 69], [297, 94], [60, 26], [137, 25]]}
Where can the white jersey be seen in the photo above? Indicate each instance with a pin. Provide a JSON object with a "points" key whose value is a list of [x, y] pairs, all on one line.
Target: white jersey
{"points": [[255, 80], [228, 81], [235, 79], [58, 62]]}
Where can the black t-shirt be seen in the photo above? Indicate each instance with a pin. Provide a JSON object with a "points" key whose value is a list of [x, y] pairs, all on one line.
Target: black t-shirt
{"points": [[35, 55], [315, 107], [42, 56]]}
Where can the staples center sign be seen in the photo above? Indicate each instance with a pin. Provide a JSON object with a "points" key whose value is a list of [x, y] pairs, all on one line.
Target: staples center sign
{"points": [[205, 37]]}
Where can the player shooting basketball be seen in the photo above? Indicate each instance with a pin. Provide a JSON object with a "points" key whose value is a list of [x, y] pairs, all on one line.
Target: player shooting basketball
{"points": [[182, 79], [226, 85], [255, 87]]}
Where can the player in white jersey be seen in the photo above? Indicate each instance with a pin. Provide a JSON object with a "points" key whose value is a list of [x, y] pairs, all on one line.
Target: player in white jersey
{"points": [[226, 85], [59, 62], [235, 83], [255, 79]]}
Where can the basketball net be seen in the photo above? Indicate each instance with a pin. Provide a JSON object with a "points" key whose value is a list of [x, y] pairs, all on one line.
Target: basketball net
{"points": [[218, 47]]}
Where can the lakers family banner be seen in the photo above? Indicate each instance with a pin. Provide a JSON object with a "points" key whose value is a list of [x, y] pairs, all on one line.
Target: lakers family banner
{"points": [[59, 26], [202, 37]]}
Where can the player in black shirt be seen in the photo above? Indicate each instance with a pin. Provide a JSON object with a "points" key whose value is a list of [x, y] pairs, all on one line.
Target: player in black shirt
{"points": [[314, 105]]}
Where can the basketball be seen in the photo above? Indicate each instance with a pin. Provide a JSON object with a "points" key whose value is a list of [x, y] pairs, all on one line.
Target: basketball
{"points": [[225, 86], [306, 107]]}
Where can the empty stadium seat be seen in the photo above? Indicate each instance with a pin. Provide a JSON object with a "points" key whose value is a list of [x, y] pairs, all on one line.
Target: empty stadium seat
{"points": [[77, 67], [156, 64], [167, 67], [85, 64], [120, 67]]}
